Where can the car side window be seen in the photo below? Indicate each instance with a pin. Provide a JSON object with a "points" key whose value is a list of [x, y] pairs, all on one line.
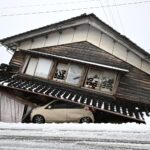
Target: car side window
{"points": [[74, 106], [58, 104]]}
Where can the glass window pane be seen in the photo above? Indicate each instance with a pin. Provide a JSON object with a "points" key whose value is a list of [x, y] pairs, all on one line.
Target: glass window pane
{"points": [[74, 105], [74, 74], [59, 104], [61, 72], [93, 78], [31, 66], [107, 82], [43, 68]]}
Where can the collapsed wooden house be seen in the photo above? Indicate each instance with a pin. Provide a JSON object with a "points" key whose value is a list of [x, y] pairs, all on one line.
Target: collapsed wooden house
{"points": [[81, 60]]}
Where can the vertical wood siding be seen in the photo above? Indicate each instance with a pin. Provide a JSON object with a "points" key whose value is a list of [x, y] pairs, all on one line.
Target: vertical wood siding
{"points": [[17, 60]]}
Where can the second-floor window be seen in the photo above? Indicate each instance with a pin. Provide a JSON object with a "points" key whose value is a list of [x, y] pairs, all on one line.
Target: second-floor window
{"points": [[39, 67], [101, 80], [69, 73], [97, 79]]}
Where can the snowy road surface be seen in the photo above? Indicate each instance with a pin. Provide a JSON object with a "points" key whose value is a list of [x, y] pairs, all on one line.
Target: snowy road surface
{"points": [[74, 136]]}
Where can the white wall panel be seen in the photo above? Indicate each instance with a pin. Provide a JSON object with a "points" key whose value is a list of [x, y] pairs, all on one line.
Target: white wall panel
{"points": [[120, 51], [26, 45], [134, 59], [145, 67], [107, 43], [94, 36], [10, 109], [81, 33], [38, 42], [52, 39], [66, 36]]}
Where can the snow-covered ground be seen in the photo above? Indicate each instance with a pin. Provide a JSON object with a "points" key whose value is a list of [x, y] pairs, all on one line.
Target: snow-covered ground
{"points": [[130, 136]]}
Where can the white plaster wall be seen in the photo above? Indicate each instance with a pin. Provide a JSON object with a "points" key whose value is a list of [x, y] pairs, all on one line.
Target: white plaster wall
{"points": [[107, 43], [38, 42], [145, 67], [120, 51], [25, 45], [52, 39], [94, 36], [81, 33], [66, 36], [134, 60]]}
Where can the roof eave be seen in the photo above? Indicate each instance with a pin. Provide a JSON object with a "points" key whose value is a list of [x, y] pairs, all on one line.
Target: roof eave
{"points": [[79, 20]]}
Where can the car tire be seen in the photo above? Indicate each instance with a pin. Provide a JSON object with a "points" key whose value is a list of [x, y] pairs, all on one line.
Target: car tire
{"points": [[85, 120], [38, 119]]}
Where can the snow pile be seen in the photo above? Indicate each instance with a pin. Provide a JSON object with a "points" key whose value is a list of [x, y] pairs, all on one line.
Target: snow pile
{"points": [[134, 127]]}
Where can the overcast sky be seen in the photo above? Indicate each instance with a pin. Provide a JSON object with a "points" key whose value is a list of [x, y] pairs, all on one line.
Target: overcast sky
{"points": [[131, 20]]}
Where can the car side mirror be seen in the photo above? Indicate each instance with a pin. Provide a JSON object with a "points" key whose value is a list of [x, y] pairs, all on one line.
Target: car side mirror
{"points": [[49, 107]]}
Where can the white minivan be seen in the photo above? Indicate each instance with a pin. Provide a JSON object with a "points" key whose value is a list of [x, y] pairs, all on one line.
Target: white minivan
{"points": [[62, 111]]}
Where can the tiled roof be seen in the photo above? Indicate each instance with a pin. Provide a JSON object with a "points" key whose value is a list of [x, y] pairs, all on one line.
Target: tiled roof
{"points": [[100, 102]]}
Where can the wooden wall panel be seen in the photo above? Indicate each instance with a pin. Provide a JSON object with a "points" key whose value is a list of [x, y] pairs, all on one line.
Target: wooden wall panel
{"points": [[135, 86], [17, 60], [86, 52]]}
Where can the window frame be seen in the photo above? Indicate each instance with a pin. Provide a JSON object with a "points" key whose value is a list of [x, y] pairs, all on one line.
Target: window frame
{"points": [[58, 80], [85, 69], [48, 71], [26, 64], [69, 64], [115, 84]]}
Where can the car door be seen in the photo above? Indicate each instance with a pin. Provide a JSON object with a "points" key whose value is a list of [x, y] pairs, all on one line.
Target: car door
{"points": [[74, 112], [56, 112]]}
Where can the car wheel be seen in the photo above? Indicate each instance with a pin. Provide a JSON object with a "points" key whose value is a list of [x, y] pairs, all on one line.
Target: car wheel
{"points": [[38, 119], [85, 120]]}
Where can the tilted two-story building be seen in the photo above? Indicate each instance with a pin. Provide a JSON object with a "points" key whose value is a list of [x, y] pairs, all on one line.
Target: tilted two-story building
{"points": [[81, 60]]}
